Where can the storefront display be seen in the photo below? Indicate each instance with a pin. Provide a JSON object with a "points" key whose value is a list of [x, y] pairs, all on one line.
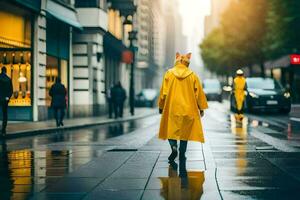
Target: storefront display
{"points": [[16, 34], [15, 54], [19, 70]]}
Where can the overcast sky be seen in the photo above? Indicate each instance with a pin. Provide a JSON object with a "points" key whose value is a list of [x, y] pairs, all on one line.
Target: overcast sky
{"points": [[193, 13]]}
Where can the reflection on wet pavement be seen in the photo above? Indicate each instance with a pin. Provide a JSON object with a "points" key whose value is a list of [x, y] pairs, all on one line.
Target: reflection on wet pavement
{"points": [[24, 172], [29, 165], [91, 134], [240, 129], [244, 169], [182, 185]]}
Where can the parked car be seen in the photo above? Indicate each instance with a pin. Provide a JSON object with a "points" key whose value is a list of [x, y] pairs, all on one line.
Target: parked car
{"points": [[212, 89], [265, 94], [146, 98]]}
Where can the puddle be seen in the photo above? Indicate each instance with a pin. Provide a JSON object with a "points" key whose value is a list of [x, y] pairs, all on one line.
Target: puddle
{"points": [[182, 184], [23, 172], [239, 127]]}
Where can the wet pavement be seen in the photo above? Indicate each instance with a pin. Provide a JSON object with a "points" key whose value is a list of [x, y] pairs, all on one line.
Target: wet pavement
{"points": [[17, 129], [249, 159]]}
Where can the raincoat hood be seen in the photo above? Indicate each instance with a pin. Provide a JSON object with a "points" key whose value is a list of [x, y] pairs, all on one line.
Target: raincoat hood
{"points": [[181, 71]]}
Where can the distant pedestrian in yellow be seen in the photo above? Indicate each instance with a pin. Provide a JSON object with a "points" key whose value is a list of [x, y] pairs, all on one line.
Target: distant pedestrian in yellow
{"points": [[181, 98], [239, 88]]}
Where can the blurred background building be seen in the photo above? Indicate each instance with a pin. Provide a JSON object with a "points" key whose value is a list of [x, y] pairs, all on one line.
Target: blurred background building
{"points": [[212, 21]]}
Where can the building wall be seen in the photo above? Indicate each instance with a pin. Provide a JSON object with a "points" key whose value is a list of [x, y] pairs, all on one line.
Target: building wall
{"points": [[88, 78], [88, 75], [40, 110]]}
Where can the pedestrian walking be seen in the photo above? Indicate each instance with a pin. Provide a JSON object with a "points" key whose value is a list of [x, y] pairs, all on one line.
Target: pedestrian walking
{"points": [[118, 95], [239, 88], [6, 90], [109, 101], [58, 93], [181, 99]]}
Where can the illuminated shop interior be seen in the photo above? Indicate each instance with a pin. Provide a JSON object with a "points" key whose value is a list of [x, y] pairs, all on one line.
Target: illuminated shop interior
{"points": [[15, 54]]}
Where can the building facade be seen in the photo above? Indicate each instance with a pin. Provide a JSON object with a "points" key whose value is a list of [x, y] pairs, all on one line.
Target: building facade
{"points": [[88, 87], [83, 42], [36, 48], [175, 40]]}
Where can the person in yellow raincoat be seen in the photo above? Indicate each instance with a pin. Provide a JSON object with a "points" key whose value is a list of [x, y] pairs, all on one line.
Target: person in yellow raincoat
{"points": [[239, 88], [181, 98]]}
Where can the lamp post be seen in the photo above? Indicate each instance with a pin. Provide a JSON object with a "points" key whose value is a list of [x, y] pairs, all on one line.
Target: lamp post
{"points": [[132, 37]]}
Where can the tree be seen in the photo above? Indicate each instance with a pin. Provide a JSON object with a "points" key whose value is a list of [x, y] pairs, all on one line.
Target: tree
{"points": [[244, 25], [214, 53], [243, 29], [282, 37]]}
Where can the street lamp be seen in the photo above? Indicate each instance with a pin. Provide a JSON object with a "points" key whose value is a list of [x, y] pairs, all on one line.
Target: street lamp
{"points": [[132, 37]]}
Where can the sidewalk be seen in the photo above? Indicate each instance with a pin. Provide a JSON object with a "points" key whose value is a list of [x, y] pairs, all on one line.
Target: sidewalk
{"points": [[232, 164], [32, 128], [130, 173]]}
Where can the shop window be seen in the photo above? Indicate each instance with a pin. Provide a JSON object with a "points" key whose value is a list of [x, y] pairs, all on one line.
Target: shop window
{"points": [[18, 64], [55, 67], [15, 53], [64, 72]]}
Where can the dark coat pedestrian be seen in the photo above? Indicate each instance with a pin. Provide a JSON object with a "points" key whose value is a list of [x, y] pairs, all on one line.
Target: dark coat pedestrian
{"points": [[118, 95], [6, 90], [58, 93], [109, 101]]}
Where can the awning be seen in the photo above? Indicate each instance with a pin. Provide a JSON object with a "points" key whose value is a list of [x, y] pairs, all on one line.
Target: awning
{"points": [[113, 45], [126, 7], [62, 13], [282, 62], [34, 5]]}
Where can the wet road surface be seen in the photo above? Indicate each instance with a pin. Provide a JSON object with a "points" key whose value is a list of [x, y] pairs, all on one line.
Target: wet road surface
{"points": [[240, 160], [29, 164]]}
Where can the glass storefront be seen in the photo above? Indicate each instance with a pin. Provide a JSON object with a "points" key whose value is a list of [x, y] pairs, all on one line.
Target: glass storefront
{"points": [[16, 55], [18, 65], [57, 65]]}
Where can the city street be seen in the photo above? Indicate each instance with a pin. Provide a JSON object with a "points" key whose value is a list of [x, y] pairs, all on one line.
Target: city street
{"points": [[95, 93], [258, 158]]}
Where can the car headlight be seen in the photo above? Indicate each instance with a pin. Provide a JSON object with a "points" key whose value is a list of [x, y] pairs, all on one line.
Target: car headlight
{"points": [[253, 95], [287, 95]]}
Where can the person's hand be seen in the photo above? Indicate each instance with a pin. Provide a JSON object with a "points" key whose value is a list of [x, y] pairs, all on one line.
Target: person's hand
{"points": [[160, 111], [201, 113]]}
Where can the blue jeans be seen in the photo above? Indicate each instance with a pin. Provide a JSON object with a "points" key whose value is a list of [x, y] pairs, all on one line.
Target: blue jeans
{"points": [[182, 147]]}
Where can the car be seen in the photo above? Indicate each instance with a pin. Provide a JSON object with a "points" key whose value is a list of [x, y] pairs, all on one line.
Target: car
{"points": [[146, 98], [264, 94], [212, 89]]}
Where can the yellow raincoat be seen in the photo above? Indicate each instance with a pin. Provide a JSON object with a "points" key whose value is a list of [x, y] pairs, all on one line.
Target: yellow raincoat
{"points": [[239, 91], [181, 98]]}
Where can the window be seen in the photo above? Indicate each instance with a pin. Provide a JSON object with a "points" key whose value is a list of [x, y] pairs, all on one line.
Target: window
{"points": [[15, 54], [18, 65], [55, 67]]}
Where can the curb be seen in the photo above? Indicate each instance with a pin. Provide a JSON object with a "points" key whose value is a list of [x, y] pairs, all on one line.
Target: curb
{"points": [[79, 126]]}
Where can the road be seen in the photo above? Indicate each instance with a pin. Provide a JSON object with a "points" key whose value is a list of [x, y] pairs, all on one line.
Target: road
{"points": [[258, 158]]}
